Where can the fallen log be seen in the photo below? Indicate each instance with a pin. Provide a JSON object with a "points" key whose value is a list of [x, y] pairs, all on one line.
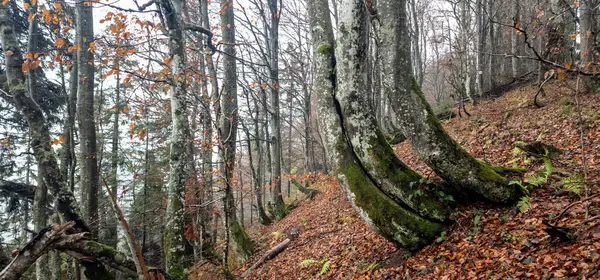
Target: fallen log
{"points": [[64, 239], [273, 252], [44, 241]]}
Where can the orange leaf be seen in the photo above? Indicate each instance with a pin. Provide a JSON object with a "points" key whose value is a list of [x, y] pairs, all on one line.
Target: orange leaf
{"points": [[561, 75], [60, 42], [35, 64], [92, 47], [167, 60], [61, 138], [25, 66], [26, 6], [125, 109], [55, 142], [33, 2]]}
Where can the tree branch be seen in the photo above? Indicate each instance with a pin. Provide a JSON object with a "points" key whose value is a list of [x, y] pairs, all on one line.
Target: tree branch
{"points": [[13, 188]]}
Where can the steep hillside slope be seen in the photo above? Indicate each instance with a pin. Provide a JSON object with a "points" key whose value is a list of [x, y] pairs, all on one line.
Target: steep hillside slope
{"points": [[486, 242]]}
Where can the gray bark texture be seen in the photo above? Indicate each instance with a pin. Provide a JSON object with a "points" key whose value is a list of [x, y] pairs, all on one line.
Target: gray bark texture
{"points": [[228, 133], [420, 125], [279, 207], [85, 115], [588, 19], [340, 117], [179, 173]]}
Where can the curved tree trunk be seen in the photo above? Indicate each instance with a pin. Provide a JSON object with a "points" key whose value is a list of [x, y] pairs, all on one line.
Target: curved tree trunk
{"points": [[366, 139], [366, 166], [421, 127]]}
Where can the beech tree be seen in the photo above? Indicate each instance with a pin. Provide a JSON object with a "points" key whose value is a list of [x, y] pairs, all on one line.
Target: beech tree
{"points": [[419, 123], [365, 163]]}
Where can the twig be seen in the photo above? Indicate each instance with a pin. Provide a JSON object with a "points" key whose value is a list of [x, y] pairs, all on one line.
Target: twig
{"points": [[135, 249], [573, 204]]}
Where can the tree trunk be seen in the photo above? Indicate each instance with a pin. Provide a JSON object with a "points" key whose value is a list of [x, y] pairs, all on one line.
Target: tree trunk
{"points": [[480, 42], [207, 155], [228, 135], [278, 207], [110, 237], [421, 127], [40, 201], [493, 42], [85, 112], [588, 32], [340, 117], [516, 11], [262, 216], [174, 240]]}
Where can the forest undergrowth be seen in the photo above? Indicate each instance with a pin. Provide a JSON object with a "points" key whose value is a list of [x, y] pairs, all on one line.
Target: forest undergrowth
{"points": [[486, 241]]}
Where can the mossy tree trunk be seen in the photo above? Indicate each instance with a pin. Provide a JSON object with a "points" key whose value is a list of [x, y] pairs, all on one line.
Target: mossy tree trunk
{"points": [[174, 241], [420, 125], [382, 189]]}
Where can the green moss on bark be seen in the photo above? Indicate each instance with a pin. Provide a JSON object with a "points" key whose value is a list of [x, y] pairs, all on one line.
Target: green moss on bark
{"points": [[406, 181], [394, 222], [243, 245], [452, 162], [325, 49]]}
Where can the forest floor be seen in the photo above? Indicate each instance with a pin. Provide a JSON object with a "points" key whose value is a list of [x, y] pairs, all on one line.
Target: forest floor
{"points": [[485, 242]]}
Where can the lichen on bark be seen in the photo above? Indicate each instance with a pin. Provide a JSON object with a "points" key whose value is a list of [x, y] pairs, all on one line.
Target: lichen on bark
{"points": [[378, 185]]}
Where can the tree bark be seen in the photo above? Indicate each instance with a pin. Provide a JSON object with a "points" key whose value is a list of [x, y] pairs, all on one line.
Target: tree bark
{"points": [[516, 11], [588, 32], [207, 154], [480, 42], [393, 220], [421, 127], [174, 240], [85, 112], [364, 135], [278, 207], [228, 135]]}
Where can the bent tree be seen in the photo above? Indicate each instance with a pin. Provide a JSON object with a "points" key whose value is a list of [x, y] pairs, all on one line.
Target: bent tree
{"points": [[386, 193], [417, 120], [376, 182]]}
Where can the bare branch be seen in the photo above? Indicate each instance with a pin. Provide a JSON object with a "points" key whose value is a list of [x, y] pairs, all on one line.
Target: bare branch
{"points": [[13, 188]]}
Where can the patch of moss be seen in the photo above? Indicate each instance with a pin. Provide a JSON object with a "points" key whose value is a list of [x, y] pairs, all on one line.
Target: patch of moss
{"points": [[243, 244], [406, 179], [324, 49], [394, 222]]}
